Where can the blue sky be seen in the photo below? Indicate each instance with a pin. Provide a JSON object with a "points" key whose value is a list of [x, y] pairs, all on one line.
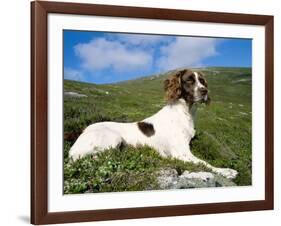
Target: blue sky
{"points": [[103, 57]]}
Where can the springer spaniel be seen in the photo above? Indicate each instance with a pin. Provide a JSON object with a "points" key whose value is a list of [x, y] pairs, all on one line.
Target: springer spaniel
{"points": [[169, 131]]}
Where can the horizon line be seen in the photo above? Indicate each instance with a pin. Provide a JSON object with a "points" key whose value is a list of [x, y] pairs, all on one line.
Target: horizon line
{"points": [[143, 76]]}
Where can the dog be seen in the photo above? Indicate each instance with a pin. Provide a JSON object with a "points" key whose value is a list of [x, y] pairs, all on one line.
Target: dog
{"points": [[169, 131]]}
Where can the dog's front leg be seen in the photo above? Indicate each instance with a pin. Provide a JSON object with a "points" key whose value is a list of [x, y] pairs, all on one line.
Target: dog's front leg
{"points": [[187, 156], [226, 172]]}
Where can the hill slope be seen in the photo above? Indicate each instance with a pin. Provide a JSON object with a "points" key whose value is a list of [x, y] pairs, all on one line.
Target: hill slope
{"points": [[223, 129]]}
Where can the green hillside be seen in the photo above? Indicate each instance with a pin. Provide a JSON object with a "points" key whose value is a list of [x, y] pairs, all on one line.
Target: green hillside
{"points": [[223, 130]]}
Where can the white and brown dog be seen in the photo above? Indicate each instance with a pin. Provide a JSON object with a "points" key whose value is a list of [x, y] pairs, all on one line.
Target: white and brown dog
{"points": [[169, 131]]}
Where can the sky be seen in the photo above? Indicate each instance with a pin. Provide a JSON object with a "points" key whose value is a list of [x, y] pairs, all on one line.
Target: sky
{"points": [[104, 57]]}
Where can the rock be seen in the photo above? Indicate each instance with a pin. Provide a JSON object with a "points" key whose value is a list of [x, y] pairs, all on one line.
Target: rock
{"points": [[74, 94], [204, 176], [195, 180], [169, 179], [242, 113], [223, 181]]}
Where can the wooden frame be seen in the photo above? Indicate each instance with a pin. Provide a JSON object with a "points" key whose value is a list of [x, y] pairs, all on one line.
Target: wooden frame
{"points": [[39, 107]]}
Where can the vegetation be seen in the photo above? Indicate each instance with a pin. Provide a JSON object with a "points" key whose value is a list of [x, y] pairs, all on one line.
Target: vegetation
{"points": [[223, 131]]}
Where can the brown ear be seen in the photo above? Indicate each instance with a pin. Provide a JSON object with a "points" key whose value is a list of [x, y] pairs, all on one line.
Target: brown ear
{"points": [[172, 86]]}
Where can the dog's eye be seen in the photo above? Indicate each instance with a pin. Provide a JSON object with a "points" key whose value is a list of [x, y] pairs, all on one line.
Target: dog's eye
{"points": [[190, 80], [202, 81]]}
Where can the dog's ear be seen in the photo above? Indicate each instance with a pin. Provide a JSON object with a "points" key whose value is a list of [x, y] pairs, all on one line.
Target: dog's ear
{"points": [[172, 86]]}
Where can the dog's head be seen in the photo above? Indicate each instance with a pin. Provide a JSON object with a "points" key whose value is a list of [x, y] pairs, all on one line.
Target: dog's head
{"points": [[189, 85]]}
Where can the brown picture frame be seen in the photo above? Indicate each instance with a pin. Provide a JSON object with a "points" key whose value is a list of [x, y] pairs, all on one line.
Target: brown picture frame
{"points": [[39, 112]]}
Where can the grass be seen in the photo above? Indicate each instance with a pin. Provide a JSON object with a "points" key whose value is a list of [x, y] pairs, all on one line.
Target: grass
{"points": [[125, 169], [223, 131]]}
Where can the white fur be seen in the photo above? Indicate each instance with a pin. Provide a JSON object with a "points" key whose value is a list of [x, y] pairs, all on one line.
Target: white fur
{"points": [[198, 85], [173, 126]]}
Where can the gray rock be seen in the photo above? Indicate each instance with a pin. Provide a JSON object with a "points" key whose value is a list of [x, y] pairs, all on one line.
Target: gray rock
{"points": [[74, 94], [223, 181], [195, 180], [169, 179]]}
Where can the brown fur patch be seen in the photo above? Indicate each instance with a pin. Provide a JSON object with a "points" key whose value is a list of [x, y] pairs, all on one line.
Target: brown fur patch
{"points": [[146, 128], [172, 86]]}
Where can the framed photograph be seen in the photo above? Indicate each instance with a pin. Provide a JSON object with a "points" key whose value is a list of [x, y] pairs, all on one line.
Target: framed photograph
{"points": [[147, 112]]}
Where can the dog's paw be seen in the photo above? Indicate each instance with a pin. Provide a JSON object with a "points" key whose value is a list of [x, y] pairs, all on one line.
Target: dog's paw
{"points": [[226, 172]]}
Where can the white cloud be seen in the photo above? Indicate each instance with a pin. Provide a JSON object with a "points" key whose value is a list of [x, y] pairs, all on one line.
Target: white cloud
{"points": [[140, 53], [73, 74], [186, 52], [102, 53], [141, 39]]}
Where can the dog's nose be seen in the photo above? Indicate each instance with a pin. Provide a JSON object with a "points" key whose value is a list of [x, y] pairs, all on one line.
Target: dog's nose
{"points": [[203, 91]]}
